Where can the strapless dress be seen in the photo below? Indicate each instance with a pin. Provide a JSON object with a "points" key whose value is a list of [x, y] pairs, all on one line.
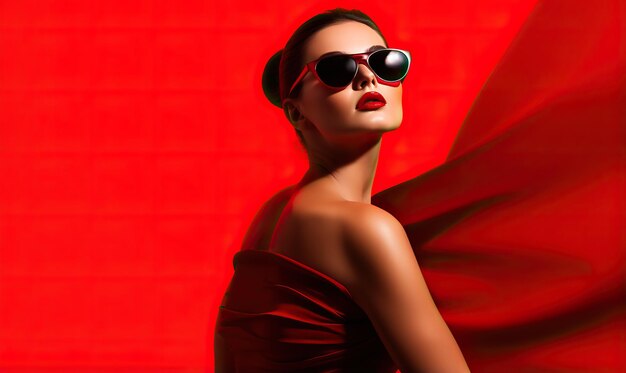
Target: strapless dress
{"points": [[279, 315]]}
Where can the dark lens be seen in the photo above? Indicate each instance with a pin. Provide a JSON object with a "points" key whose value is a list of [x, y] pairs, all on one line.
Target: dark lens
{"points": [[391, 65], [336, 71]]}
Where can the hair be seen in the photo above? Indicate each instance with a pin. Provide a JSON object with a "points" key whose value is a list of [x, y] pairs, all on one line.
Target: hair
{"points": [[284, 66]]}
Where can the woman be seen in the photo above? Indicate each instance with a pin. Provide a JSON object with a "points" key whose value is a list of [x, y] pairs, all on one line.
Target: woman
{"points": [[333, 284]]}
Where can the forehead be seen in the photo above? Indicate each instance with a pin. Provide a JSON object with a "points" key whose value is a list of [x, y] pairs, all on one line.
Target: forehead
{"points": [[346, 36]]}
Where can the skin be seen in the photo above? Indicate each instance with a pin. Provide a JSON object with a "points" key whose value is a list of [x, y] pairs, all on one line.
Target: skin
{"points": [[327, 221]]}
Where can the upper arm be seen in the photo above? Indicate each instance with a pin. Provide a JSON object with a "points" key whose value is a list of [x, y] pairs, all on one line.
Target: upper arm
{"points": [[386, 282]]}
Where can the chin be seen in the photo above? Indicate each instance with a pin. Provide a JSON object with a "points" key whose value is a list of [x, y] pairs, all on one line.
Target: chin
{"points": [[385, 122], [391, 127]]}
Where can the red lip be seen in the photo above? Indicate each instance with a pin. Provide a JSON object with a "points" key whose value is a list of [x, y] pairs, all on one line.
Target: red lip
{"points": [[371, 101]]}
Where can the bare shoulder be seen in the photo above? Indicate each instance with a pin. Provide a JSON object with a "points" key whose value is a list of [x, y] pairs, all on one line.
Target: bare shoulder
{"points": [[368, 221], [372, 234], [376, 248], [385, 280], [349, 225]]}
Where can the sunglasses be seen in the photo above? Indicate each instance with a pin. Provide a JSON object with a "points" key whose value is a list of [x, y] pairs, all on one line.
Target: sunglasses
{"points": [[337, 71]]}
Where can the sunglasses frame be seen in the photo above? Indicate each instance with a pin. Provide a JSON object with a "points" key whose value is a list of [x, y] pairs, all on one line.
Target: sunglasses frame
{"points": [[359, 58]]}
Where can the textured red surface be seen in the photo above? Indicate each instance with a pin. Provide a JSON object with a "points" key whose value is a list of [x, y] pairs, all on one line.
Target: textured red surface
{"points": [[136, 145]]}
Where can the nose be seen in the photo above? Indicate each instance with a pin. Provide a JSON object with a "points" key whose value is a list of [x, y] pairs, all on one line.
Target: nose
{"points": [[364, 77]]}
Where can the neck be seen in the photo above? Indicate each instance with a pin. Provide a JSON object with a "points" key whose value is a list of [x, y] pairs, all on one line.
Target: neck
{"points": [[348, 171]]}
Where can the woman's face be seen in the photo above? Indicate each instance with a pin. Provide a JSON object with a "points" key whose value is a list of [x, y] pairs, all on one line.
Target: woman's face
{"points": [[334, 114]]}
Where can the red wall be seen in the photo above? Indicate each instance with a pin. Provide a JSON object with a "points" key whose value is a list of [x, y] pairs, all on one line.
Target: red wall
{"points": [[136, 146]]}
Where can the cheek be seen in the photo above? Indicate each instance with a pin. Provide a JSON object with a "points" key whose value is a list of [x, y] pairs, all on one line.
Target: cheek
{"points": [[397, 95], [393, 96], [326, 111]]}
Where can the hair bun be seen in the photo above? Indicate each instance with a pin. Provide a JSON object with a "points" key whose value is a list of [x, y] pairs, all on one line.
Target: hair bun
{"points": [[271, 81]]}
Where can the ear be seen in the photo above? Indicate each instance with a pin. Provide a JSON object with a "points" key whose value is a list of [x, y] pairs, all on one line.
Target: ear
{"points": [[293, 113]]}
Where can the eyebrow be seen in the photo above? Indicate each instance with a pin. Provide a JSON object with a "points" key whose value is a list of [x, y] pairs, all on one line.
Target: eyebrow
{"points": [[370, 49]]}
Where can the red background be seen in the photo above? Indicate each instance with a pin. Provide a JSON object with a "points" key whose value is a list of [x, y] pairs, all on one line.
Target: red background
{"points": [[136, 146]]}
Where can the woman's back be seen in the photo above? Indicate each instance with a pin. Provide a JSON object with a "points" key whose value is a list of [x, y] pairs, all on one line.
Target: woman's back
{"points": [[307, 224], [311, 230], [286, 308]]}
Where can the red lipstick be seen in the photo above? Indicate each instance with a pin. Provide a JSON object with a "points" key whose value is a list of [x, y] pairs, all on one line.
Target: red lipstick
{"points": [[371, 101]]}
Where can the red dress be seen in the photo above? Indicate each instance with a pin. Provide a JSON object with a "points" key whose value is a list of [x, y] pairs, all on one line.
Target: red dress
{"points": [[520, 235], [279, 315]]}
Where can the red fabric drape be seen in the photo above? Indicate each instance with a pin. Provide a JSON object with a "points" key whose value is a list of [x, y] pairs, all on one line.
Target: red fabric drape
{"points": [[521, 233]]}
